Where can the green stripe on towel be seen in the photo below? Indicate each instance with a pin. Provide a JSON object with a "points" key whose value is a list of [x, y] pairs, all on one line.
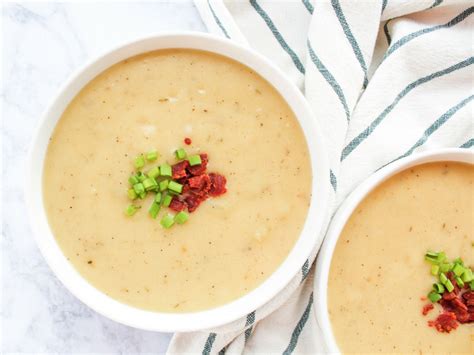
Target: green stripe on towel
{"points": [[250, 320], [209, 342], [333, 180], [350, 37], [278, 36], [329, 78], [434, 127], [459, 18], [305, 270], [308, 6], [219, 23], [299, 327], [436, 3], [437, 124], [349, 148], [468, 144]]}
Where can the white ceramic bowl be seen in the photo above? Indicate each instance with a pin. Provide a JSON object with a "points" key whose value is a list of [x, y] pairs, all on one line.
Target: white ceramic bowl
{"points": [[185, 321], [344, 212]]}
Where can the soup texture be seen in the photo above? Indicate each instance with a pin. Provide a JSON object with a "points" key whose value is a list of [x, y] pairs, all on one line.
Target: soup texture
{"points": [[232, 243], [378, 272]]}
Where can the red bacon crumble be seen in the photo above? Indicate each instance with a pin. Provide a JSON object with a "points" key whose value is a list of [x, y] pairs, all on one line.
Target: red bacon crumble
{"points": [[427, 308], [187, 141], [217, 184], [200, 183], [179, 169], [457, 305], [198, 186], [199, 169], [177, 205], [445, 322]]}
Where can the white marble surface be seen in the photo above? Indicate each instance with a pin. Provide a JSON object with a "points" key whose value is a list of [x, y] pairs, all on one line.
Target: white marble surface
{"points": [[43, 43]]}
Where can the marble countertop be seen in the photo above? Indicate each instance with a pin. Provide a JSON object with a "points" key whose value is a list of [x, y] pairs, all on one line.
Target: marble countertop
{"points": [[43, 43]]}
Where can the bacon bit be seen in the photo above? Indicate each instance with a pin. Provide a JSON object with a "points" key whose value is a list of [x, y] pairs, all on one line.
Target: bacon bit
{"points": [[200, 183], [427, 308], [445, 322], [448, 296], [462, 316], [467, 296], [197, 185], [177, 205], [179, 169], [187, 141], [458, 307], [458, 304], [199, 169], [193, 201], [446, 305], [217, 184]]}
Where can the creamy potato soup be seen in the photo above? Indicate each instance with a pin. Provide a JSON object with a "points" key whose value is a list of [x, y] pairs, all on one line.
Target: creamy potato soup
{"points": [[231, 243], [378, 273]]}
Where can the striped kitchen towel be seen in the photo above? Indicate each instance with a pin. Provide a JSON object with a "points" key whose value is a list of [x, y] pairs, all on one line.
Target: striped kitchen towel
{"points": [[385, 79]]}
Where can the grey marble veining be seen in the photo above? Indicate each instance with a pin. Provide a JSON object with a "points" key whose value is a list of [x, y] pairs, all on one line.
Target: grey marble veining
{"points": [[43, 43]]}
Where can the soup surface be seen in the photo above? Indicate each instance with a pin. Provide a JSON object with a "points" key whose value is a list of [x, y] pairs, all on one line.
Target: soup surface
{"points": [[230, 244], [378, 272]]}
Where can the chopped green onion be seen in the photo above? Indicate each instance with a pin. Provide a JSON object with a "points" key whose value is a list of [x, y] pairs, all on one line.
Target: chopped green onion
{"points": [[139, 162], [438, 287], [141, 176], [131, 210], [139, 188], [142, 195], [167, 200], [441, 256], [174, 186], [158, 197], [180, 153], [133, 180], [449, 286], [151, 156], [434, 270], [149, 184], [194, 160], [164, 185], [459, 261], [165, 170], [431, 257], [459, 281], [154, 172], [458, 269], [181, 217], [167, 221], [445, 267], [467, 276], [154, 209], [434, 297], [443, 278], [132, 195], [471, 285]]}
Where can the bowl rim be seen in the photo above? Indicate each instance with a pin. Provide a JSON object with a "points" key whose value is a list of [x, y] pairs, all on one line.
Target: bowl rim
{"points": [[345, 211], [191, 321]]}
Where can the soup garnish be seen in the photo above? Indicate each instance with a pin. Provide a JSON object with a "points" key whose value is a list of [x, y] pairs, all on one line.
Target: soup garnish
{"points": [[453, 291], [183, 185]]}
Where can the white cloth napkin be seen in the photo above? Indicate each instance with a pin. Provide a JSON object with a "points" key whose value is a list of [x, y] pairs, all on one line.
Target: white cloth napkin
{"points": [[385, 79]]}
